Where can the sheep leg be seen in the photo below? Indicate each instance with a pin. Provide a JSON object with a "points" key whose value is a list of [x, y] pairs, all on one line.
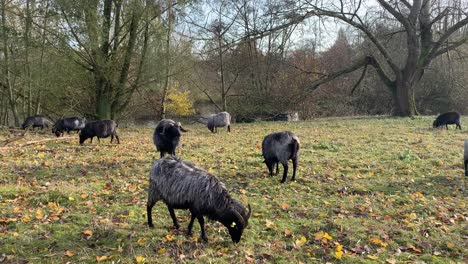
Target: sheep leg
{"points": [[270, 167], [162, 154], [229, 128], [466, 167], [294, 161], [149, 208], [277, 168], [91, 140], [201, 221], [458, 126], [173, 216], [112, 138], [117, 137], [285, 173], [190, 226]]}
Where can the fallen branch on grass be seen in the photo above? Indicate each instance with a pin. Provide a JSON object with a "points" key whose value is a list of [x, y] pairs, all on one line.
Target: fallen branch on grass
{"points": [[44, 140]]}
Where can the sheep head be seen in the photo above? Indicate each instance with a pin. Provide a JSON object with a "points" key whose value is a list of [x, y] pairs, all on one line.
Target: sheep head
{"points": [[237, 221]]}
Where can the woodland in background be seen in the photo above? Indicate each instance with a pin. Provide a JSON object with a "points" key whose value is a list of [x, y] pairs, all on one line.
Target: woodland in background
{"points": [[139, 60]]}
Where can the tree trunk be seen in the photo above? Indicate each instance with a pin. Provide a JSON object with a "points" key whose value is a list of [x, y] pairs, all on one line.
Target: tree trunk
{"points": [[6, 69], [167, 62], [402, 99]]}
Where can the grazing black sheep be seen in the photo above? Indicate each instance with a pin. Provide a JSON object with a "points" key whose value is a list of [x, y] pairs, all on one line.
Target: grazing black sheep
{"points": [[182, 185], [279, 148], [36, 121], [68, 124], [99, 129], [449, 118], [219, 120], [166, 136]]}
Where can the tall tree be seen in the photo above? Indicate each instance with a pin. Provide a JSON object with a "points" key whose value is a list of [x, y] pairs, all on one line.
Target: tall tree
{"points": [[430, 29], [105, 36]]}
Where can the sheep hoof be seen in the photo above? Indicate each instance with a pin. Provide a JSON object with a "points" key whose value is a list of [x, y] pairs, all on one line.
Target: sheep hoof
{"points": [[204, 239], [150, 225], [282, 181]]}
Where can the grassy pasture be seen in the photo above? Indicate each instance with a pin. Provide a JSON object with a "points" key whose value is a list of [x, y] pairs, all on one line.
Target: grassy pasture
{"points": [[368, 190]]}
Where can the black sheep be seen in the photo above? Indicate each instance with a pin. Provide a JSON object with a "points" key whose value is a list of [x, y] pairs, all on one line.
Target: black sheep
{"points": [[279, 148], [36, 121], [182, 185], [99, 129], [466, 157], [449, 118], [68, 124], [166, 136]]}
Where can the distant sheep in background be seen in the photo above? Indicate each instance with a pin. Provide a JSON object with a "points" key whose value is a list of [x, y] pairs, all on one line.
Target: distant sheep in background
{"points": [[99, 129], [68, 124], [182, 185], [166, 136], [449, 118], [219, 120], [466, 157], [36, 121], [279, 148]]}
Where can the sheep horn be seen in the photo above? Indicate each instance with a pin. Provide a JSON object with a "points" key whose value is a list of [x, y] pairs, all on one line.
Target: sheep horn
{"points": [[240, 219], [249, 213]]}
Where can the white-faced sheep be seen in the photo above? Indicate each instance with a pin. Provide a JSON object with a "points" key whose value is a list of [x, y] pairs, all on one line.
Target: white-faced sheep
{"points": [[222, 119], [279, 148], [182, 185], [166, 136]]}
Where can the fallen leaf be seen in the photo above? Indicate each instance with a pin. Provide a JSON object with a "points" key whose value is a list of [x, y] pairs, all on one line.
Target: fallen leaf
{"points": [[170, 238], [101, 258], [141, 241], [269, 224], [450, 245], [140, 259], [300, 242], [161, 251], [287, 233], [69, 253], [372, 257], [284, 206]]}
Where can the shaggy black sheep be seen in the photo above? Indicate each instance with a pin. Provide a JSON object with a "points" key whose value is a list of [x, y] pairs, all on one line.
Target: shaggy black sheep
{"points": [[279, 148], [36, 121], [68, 124], [182, 185], [166, 136], [449, 118], [99, 129]]}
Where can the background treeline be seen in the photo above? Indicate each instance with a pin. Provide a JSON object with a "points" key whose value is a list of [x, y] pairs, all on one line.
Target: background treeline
{"points": [[139, 60]]}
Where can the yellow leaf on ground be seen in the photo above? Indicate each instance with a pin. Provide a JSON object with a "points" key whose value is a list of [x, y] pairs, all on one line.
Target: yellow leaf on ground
{"points": [[284, 206], [26, 219], [101, 258], [69, 253], [450, 245], [269, 224], [170, 238], [161, 251], [338, 254], [15, 234], [372, 257], [39, 214], [287, 233], [300, 242], [140, 259], [88, 232], [141, 241]]}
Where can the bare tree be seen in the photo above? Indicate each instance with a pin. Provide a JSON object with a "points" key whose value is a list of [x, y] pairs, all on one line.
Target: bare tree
{"points": [[430, 29]]}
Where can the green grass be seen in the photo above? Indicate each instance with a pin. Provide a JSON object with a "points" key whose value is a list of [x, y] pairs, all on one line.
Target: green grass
{"points": [[389, 189]]}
